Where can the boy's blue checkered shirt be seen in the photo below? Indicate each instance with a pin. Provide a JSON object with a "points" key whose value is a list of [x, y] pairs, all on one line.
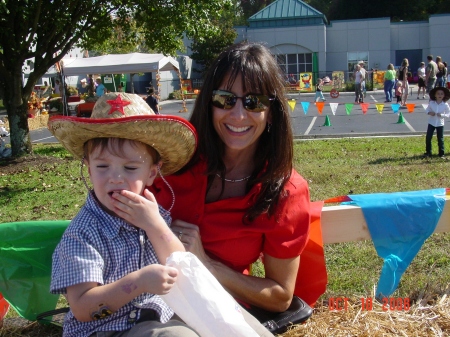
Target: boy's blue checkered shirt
{"points": [[98, 247]]}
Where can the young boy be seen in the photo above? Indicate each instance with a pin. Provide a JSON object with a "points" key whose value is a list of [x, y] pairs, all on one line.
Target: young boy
{"points": [[437, 109], [319, 88], [399, 91], [108, 261]]}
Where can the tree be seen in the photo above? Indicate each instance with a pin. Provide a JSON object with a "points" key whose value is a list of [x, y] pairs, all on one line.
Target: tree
{"points": [[205, 51], [46, 30]]}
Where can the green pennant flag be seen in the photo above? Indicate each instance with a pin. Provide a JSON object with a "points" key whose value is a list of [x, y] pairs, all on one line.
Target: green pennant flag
{"points": [[348, 108]]}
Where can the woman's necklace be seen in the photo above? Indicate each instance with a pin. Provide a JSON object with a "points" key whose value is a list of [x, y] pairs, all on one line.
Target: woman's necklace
{"points": [[233, 180]]}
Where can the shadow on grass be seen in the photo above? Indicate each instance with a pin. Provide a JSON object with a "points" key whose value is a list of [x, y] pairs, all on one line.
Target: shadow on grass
{"points": [[410, 160]]}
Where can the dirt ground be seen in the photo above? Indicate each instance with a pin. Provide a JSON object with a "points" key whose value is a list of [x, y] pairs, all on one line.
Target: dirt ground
{"points": [[21, 164]]}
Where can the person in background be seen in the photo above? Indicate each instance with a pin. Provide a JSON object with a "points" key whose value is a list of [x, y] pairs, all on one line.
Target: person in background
{"points": [[448, 76], [430, 74], [403, 77], [100, 90], [245, 198], [151, 100], [363, 80], [120, 88], [358, 86], [389, 82], [437, 109], [319, 91], [46, 90], [58, 89], [399, 91], [421, 85], [110, 260], [441, 74]]}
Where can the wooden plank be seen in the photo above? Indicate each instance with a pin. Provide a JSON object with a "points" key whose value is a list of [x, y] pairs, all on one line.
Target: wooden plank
{"points": [[346, 223]]}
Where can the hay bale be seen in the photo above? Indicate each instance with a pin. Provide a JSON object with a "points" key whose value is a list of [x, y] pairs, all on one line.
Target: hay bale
{"points": [[35, 123], [428, 316]]}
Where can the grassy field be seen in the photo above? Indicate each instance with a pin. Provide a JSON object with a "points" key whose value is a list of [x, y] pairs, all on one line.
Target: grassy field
{"points": [[50, 187]]}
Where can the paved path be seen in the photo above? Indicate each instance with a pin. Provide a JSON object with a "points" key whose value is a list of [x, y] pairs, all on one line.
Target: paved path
{"points": [[312, 124]]}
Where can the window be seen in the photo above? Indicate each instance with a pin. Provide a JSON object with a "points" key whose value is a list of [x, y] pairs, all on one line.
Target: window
{"points": [[293, 64], [352, 60], [354, 57]]}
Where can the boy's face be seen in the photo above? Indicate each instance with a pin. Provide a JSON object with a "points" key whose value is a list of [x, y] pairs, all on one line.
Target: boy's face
{"points": [[131, 171]]}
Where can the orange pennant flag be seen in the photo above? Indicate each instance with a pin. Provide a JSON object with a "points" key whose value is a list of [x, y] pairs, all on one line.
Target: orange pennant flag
{"points": [[410, 107], [319, 106], [364, 107]]}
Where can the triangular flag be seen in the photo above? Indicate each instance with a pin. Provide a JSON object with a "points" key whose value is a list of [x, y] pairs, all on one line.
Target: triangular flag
{"points": [[410, 107], [399, 223], [333, 107], [424, 106], [348, 108], [364, 107], [305, 106], [380, 107], [319, 106], [292, 103], [395, 107]]}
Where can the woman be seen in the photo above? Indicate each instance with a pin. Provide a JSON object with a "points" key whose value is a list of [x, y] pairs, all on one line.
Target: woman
{"points": [[441, 73], [403, 76], [389, 82], [239, 197]]}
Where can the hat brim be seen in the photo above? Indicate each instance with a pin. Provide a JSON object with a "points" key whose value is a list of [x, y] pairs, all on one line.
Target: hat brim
{"points": [[444, 89], [173, 137]]}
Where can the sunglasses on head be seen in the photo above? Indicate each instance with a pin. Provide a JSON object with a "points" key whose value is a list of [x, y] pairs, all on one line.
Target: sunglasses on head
{"points": [[226, 100]]}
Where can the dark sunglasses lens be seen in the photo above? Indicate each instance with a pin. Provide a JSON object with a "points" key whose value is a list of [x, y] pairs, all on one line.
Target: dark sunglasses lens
{"points": [[253, 103], [223, 100]]}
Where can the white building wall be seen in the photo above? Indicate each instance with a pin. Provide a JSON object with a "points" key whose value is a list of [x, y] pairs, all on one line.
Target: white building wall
{"points": [[284, 40], [439, 36], [369, 35]]}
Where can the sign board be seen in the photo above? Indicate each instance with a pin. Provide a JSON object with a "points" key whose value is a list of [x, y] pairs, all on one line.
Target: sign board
{"points": [[107, 79], [334, 93]]}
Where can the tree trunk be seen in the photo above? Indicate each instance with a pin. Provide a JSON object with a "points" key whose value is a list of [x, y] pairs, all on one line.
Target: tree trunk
{"points": [[17, 116]]}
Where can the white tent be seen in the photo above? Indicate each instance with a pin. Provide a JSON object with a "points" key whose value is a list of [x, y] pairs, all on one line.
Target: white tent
{"points": [[119, 64]]}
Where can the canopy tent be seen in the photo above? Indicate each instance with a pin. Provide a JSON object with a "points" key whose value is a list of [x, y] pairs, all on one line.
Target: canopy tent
{"points": [[119, 64]]}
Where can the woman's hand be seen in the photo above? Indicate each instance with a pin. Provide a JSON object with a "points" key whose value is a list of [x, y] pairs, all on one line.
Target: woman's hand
{"points": [[189, 235]]}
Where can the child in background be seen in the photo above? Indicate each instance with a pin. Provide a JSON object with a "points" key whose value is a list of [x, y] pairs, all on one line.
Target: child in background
{"points": [[437, 109], [108, 262], [399, 91], [319, 88]]}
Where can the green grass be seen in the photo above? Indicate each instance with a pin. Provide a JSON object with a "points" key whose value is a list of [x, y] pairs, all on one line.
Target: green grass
{"points": [[331, 167]]}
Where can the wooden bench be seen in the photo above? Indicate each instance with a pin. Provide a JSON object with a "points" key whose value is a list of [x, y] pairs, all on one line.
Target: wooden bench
{"points": [[346, 223]]}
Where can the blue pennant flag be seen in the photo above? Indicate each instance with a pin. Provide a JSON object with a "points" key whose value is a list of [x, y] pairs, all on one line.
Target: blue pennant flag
{"points": [[399, 223]]}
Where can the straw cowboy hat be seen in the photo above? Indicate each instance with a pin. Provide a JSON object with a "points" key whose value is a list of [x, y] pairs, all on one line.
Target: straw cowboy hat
{"points": [[121, 115], [444, 89]]}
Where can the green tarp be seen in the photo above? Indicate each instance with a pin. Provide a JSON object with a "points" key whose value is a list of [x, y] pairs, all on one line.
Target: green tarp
{"points": [[26, 250]]}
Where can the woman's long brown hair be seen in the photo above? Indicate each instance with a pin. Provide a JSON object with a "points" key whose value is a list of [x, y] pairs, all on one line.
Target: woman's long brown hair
{"points": [[274, 154]]}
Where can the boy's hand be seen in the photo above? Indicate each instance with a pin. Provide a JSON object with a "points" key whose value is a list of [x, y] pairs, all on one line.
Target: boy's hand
{"points": [[158, 279], [431, 113], [137, 210]]}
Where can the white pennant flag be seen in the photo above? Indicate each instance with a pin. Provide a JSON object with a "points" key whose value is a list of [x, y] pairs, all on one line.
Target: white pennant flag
{"points": [[425, 106], [333, 107]]}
